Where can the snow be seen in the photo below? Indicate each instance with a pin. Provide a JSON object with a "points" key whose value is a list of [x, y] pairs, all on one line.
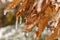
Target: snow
{"points": [[2, 30], [11, 33]]}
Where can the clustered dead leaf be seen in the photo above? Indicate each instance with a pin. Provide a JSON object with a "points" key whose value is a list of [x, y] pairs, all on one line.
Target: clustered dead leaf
{"points": [[49, 14]]}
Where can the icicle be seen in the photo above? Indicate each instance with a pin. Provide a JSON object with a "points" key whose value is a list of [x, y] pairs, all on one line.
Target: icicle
{"points": [[46, 1], [5, 11], [16, 23], [20, 20], [57, 6], [34, 36], [39, 5]]}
